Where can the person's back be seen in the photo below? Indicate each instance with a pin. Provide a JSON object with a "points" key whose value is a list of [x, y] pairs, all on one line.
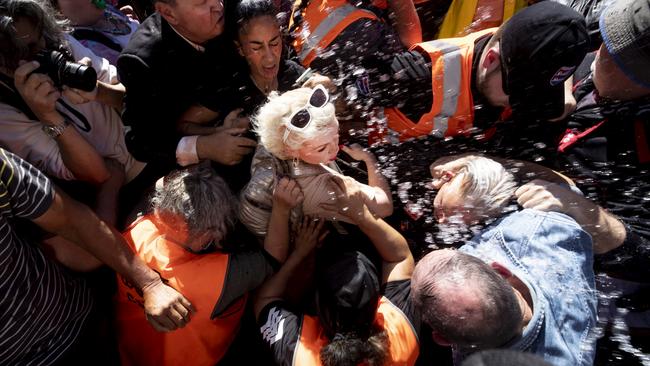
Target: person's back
{"points": [[553, 257]]}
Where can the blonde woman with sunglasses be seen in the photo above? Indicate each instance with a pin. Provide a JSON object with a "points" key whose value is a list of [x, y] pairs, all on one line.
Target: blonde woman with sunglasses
{"points": [[299, 139]]}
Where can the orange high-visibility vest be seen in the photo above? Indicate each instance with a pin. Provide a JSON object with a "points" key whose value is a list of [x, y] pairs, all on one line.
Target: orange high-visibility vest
{"points": [[403, 351], [468, 16], [452, 110], [322, 21], [200, 278]]}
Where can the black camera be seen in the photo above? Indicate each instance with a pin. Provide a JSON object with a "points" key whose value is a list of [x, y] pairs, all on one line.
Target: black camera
{"points": [[63, 72]]}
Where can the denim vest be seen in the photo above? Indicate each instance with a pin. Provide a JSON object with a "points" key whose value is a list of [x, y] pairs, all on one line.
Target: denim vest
{"points": [[553, 257]]}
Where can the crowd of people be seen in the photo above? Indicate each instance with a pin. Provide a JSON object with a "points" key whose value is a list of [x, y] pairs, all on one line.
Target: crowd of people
{"points": [[328, 182]]}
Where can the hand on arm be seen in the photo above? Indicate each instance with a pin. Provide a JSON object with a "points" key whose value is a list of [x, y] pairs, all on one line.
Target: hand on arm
{"points": [[226, 146], [39, 93], [392, 246], [286, 195], [309, 235], [382, 204], [605, 229], [165, 308]]}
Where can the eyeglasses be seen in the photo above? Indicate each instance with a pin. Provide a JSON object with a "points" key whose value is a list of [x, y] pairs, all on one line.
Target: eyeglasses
{"points": [[301, 119]]}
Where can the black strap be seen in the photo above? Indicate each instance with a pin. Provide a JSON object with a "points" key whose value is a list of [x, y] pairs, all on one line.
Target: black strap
{"points": [[9, 95], [95, 36]]}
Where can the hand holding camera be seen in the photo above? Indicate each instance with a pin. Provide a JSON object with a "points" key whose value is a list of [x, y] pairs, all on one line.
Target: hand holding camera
{"points": [[38, 91]]}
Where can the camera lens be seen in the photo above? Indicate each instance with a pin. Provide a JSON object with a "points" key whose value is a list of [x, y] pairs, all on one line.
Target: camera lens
{"points": [[63, 72]]}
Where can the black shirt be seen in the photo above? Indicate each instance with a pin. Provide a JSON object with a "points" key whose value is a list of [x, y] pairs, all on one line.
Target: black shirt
{"points": [[164, 75], [244, 94], [281, 327]]}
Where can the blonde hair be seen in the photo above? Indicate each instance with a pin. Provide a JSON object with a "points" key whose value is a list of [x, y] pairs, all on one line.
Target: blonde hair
{"points": [[272, 119]]}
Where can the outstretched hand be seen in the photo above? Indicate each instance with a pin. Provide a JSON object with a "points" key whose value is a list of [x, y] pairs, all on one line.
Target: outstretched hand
{"points": [[358, 152], [165, 308], [309, 234]]}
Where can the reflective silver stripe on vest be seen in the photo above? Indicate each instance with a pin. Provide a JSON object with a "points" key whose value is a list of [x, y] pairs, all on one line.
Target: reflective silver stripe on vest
{"points": [[311, 41], [452, 66]]}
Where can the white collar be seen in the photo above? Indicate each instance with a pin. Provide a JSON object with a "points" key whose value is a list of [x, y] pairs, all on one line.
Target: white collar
{"points": [[196, 46]]}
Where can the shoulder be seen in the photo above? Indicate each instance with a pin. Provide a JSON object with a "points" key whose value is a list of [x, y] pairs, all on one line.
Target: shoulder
{"points": [[289, 72], [146, 42]]}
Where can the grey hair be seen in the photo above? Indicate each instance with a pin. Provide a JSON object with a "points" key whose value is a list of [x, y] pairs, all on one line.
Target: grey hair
{"points": [[200, 197], [487, 185], [273, 117], [492, 321], [44, 18]]}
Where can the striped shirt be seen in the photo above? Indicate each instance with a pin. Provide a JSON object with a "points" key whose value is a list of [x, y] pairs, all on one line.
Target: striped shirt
{"points": [[42, 307]]}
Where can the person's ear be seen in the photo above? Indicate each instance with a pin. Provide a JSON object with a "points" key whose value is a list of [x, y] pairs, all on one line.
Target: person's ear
{"points": [[492, 59], [501, 269], [440, 339], [167, 12]]}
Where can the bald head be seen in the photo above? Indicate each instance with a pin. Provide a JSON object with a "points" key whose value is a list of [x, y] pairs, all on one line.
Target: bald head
{"points": [[464, 300]]}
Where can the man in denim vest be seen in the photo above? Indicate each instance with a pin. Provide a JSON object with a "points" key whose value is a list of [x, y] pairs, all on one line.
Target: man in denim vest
{"points": [[525, 283]]}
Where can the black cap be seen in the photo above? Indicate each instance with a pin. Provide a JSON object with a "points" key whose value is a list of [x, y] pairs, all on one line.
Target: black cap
{"points": [[347, 293], [541, 46]]}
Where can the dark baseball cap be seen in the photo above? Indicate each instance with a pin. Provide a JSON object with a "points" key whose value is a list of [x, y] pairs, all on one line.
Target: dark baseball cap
{"points": [[625, 27], [541, 46], [347, 293]]}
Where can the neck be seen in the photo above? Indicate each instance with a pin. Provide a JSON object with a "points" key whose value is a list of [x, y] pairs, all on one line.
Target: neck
{"points": [[265, 85], [525, 300]]}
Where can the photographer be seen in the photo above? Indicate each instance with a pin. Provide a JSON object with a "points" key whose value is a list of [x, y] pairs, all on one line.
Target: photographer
{"points": [[64, 131]]}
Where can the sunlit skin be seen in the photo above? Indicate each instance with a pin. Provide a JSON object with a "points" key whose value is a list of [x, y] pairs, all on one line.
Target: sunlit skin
{"points": [[197, 20], [611, 82], [450, 203], [321, 149], [260, 43]]}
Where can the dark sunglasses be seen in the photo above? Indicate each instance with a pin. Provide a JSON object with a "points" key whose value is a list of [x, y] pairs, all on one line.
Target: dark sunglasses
{"points": [[302, 118]]}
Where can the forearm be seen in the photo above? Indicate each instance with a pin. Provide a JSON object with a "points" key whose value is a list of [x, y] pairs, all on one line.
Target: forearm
{"points": [[276, 242], [86, 230], [108, 194], [79, 156], [390, 244], [111, 94], [606, 230], [192, 128], [276, 286], [407, 22]]}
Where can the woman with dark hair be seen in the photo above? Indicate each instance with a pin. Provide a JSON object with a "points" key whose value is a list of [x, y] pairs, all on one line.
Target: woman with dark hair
{"points": [[361, 317], [257, 35]]}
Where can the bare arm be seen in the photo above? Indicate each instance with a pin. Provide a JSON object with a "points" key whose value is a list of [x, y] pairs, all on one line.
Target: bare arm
{"points": [[275, 288], [606, 230], [166, 309], [286, 195], [381, 202], [78, 155], [392, 246], [407, 22]]}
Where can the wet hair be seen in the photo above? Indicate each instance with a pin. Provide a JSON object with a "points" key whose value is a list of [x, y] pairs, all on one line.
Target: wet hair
{"points": [[247, 10], [273, 117], [44, 18], [490, 321], [487, 185], [200, 197], [351, 349]]}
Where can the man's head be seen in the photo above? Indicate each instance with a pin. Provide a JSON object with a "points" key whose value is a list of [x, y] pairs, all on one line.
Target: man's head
{"points": [[197, 204], [622, 66], [472, 190], [527, 61], [197, 20], [465, 301], [27, 27]]}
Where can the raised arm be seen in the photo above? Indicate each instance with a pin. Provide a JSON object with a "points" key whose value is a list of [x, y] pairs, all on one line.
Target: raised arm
{"points": [[379, 199], [286, 196], [407, 22], [79, 157], [392, 246]]}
